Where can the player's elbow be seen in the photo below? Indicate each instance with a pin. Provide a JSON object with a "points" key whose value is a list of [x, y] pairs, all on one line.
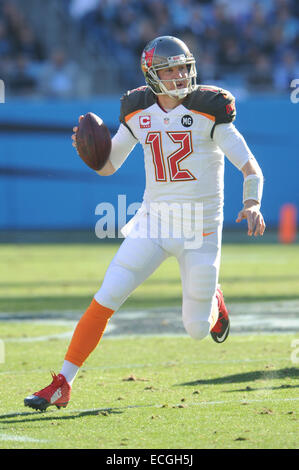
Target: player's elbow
{"points": [[107, 170]]}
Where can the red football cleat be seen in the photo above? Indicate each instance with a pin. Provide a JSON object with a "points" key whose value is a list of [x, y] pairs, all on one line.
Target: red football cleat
{"points": [[58, 393], [220, 330]]}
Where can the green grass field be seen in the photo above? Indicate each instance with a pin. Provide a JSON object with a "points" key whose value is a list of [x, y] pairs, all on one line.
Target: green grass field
{"points": [[146, 392]]}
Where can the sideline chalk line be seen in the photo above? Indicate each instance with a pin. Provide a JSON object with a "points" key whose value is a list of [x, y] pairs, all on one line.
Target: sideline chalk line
{"points": [[246, 318]]}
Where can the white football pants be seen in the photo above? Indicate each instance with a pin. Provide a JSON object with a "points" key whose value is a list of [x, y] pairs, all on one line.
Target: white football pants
{"points": [[138, 258]]}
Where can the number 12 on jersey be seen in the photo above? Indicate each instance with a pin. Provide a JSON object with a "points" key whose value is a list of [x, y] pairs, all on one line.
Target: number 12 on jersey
{"points": [[184, 139]]}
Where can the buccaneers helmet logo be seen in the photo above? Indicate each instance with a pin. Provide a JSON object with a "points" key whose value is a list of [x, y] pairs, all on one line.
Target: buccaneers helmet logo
{"points": [[147, 59]]}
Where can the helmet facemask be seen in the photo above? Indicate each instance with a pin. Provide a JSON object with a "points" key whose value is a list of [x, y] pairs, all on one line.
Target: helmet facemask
{"points": [[159, 87]]}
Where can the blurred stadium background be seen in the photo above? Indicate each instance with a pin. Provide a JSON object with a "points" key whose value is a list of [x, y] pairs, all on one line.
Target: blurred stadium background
{"points": [[63, 58]]}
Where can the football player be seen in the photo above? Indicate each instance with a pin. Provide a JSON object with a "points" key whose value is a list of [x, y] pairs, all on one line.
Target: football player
{"points": [[185, 130]]}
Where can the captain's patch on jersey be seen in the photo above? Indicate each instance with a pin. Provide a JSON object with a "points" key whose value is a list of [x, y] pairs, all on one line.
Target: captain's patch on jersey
{"points": [[145, 122]]}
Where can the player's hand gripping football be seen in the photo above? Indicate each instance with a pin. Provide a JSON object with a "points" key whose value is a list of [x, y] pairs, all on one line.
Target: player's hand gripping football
{"points": [[75, 129], [255, 221]]}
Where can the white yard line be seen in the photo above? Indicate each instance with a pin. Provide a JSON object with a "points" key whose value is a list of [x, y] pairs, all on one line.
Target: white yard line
{"points": [[246, 318], [12, 437]]}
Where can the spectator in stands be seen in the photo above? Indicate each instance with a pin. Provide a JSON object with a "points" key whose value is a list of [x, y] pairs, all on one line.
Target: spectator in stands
{"points": [[59, 76], [5, 43], [260, 77], [207, 72], [181, 15], [29, 45], [14, 21], [286, 71], [79, 8], [21, 79], [230, 53]]}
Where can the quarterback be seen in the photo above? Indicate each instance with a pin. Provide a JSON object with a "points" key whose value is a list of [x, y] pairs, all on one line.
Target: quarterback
{"points": [[185, 130]]}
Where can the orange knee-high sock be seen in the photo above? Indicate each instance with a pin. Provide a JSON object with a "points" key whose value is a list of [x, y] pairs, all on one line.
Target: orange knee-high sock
{"points": [[88, 333]]}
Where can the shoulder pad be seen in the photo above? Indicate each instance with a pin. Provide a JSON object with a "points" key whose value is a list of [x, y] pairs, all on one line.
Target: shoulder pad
{"points": [[214, 101], [135, 100]]}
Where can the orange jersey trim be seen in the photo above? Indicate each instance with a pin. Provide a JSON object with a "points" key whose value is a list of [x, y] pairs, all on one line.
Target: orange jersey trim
{"points": [[206, 234], [129, 116], [209, 116]]}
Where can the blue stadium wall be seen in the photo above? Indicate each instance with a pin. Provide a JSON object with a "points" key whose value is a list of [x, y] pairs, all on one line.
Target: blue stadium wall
{"points": [[44, 184]]}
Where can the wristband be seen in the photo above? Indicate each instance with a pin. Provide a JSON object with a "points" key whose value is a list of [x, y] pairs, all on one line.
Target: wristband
{"points": [[253, 188]]}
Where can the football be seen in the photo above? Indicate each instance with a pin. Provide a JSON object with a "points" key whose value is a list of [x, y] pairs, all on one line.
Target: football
{"points": [[93, 141]]}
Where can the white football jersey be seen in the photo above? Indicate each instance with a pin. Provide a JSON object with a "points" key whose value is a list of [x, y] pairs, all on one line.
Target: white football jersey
{"points": [[182, 161]]}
